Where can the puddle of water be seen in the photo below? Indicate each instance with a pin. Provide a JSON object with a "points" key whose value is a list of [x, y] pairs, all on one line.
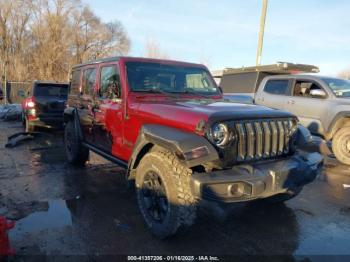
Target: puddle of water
{"points": [[57, 216], [56, 155]]}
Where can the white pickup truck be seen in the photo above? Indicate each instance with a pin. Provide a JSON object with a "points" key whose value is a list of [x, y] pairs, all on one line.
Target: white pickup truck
{"points": [[322, 104]]}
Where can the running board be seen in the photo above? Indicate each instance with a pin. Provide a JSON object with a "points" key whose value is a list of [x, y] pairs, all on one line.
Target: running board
{"points": [[100, 152]]}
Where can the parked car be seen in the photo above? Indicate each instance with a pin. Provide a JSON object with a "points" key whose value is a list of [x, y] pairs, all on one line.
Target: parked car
{"points": [[44, 105], [167, 124], [321, 103]]}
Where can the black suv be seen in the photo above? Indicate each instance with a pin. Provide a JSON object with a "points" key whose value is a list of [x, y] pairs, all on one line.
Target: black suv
{"points": [[45, 105]]}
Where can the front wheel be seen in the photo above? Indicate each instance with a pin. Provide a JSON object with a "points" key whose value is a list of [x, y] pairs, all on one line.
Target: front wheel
{"points": [[341, 145], [76, 153], [163, 194]]}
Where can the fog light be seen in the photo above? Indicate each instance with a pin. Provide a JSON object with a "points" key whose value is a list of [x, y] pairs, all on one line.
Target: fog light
{"points": [[236, 189]]}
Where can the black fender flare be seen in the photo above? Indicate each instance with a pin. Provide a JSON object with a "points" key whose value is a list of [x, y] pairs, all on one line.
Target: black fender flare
{"points": [[171, 139], [71, 114]]}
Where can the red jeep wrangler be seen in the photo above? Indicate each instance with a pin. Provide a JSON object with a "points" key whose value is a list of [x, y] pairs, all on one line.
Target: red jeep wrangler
{"points": [[167, 124]]}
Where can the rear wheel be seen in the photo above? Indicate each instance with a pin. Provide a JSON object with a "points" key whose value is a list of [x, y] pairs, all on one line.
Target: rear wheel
{"points": [[341, 145], [163, 194], [76, 153]]}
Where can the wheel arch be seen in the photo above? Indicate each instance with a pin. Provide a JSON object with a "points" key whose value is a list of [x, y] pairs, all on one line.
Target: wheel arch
{"points": [[173, 140], [342, 119], [71, 114]]}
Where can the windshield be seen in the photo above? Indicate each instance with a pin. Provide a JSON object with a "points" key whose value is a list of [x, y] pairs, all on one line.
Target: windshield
{"points": [[340, 87], [161, 78], [51, 90]]}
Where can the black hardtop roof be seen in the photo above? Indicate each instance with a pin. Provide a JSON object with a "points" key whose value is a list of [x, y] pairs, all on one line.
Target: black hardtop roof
{"points": [[96, 61], [117, 58]]}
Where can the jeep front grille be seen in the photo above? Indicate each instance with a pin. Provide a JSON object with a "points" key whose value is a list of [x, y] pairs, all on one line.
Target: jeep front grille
{"points": [[262, 139]]}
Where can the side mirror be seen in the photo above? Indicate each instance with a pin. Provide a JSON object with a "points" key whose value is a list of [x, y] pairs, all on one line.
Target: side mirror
{"points": [[318, 93]]}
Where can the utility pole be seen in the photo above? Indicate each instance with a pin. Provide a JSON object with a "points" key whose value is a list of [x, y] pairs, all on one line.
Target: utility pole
{"points": [[261, 32]]}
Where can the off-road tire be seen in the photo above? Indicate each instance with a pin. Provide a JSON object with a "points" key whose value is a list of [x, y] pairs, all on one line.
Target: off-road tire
{"points": [[181, 206], [76, 153], [341, 145], [28, 127]]}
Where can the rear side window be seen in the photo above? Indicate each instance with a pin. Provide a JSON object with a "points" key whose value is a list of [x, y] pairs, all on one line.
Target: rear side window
{"points": [[89, 80], [51, 90], [110, 82], [277, 87], [75, 82]]}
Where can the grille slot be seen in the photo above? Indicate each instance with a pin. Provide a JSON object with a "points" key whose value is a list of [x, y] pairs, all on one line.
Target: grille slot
{"points": [[262, 139]]}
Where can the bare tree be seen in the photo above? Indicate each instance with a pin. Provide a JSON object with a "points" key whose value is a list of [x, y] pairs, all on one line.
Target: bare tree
{"points": [[43, 39], [95, 39], [14, 17], [153, 50], [345, 74]]}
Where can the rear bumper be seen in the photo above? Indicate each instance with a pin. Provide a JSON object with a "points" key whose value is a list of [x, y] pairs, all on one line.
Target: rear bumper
{"points": [[47, 121], [259, 180]]}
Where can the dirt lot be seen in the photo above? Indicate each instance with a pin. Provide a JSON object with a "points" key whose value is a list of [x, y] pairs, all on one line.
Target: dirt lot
{"points": [[60, 210]]}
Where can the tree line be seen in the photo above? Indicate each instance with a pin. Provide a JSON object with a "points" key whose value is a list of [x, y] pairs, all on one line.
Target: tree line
{"points": [[43, 39]]}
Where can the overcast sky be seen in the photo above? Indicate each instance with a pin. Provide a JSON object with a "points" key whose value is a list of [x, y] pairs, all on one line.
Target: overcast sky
{"points": [[224, 33]]}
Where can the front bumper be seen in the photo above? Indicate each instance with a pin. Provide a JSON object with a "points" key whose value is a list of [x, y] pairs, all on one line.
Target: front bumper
{"points": [[258, 180]]}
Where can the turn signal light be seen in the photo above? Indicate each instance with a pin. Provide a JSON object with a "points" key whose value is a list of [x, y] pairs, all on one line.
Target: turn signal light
{"points": [[30, 104], [194, 153]]}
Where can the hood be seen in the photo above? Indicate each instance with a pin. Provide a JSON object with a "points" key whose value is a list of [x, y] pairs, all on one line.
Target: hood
{"points": [[190, 112]]}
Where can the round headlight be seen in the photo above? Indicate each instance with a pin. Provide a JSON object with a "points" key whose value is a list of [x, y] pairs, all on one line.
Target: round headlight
{"points": [[220, 134]]}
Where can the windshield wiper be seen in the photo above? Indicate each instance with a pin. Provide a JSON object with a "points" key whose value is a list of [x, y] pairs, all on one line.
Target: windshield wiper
{"points": [[190, 92], [153, 91], [157, 91]]}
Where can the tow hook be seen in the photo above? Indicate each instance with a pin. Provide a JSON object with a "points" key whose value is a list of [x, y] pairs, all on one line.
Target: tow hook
{"points": [[5, 249]]}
